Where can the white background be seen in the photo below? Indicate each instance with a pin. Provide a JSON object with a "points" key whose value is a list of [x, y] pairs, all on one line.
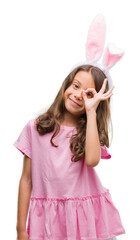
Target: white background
{"points": [[39, 43]]}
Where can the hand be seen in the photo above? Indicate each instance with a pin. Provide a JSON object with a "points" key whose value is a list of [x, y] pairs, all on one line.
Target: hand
{"points": [[22, 235], [92, 103]]}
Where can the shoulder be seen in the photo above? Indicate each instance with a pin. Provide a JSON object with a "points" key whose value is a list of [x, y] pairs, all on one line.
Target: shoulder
{"points": [[32, 124]]}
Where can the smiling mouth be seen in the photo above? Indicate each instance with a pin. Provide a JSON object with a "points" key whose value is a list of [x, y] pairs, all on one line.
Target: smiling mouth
{"points": [[76, 104]]}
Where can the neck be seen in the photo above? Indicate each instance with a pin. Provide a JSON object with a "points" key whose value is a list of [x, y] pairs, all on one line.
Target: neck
{"points": [[69, 120]]}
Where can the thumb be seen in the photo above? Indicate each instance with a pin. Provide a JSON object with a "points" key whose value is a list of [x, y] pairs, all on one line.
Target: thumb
{"points": [[84, 94]]}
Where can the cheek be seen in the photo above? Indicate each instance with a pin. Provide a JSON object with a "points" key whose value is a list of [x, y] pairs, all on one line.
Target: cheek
{"points": [[67, 93]]}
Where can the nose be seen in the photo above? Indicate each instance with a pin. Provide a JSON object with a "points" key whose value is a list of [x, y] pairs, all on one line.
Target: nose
{"points": [[78, 95]]}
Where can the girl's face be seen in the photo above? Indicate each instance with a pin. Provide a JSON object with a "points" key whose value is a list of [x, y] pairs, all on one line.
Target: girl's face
{"points": [[74, 102]]}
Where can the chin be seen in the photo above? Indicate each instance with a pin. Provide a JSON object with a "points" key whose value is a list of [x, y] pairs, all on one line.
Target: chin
{"points": [[72, 110]]}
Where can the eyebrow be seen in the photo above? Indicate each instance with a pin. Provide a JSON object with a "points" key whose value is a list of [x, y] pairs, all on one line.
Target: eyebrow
{"points": [[77, 81]]}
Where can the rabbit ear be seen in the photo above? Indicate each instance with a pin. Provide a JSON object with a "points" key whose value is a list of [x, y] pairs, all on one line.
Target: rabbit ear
{"points": [[96, 38], [112, 55]]}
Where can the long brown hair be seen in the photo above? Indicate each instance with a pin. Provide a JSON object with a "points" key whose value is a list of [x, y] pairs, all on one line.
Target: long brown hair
{"points": [[52, 118]]}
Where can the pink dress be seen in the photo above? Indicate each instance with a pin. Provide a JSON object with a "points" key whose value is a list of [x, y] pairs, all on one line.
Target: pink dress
{"points": [[68, 200]]}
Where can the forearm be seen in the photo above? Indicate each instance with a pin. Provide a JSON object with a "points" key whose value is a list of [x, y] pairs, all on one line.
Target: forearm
{"points": [[92, 144], [24, 194]]}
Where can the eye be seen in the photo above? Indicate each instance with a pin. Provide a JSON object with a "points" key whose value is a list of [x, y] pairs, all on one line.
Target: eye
{"points": [[75, 85], [89, 94]]}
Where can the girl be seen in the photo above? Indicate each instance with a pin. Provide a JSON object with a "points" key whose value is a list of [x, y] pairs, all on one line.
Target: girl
{"points": [[61, 149]]}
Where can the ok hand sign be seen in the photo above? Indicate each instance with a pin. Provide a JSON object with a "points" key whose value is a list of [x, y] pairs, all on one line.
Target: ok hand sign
{"points": [[92, 103]]}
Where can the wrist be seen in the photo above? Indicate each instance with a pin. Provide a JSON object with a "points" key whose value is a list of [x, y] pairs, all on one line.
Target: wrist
{"points": [[22, 235], [91, 111]]}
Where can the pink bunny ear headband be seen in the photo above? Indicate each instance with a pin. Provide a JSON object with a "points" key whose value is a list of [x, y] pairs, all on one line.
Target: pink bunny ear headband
{"points": [[95, 46]]}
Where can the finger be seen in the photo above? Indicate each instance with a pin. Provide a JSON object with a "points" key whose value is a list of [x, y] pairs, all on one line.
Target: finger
{"points": [[103, 86], [106, 97], [90, 89], [90, 92], [84, 95], [109, 91]]}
